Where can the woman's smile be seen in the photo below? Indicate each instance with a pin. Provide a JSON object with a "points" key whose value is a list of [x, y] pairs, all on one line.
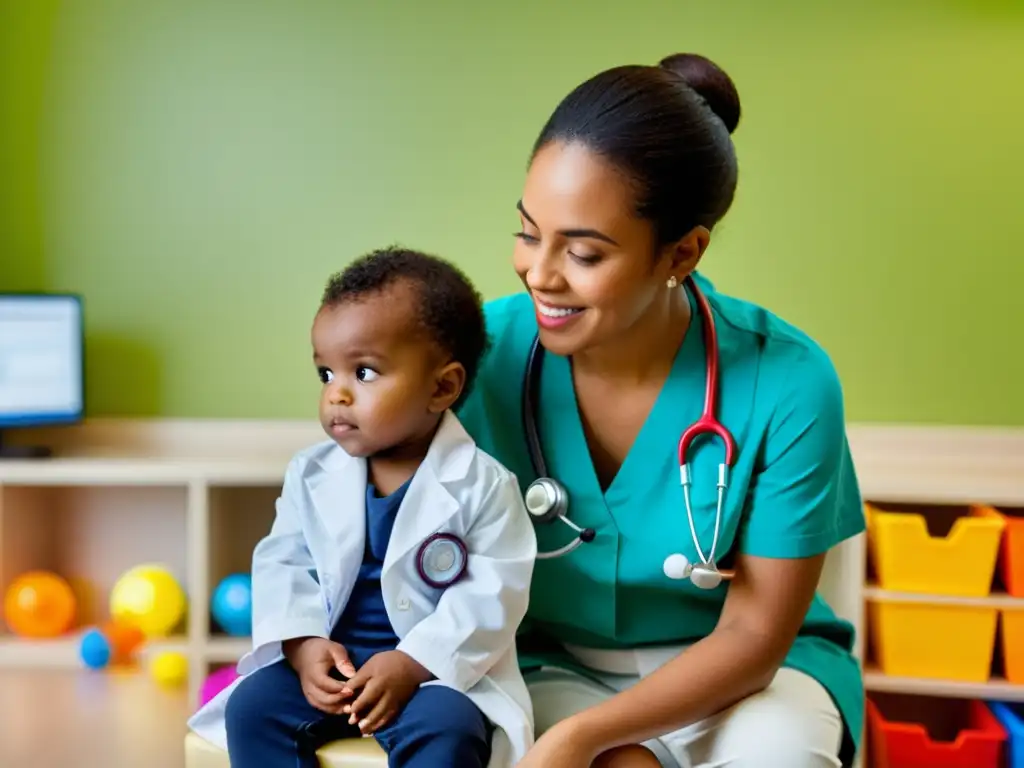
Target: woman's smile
{"points": [[551, 316]]}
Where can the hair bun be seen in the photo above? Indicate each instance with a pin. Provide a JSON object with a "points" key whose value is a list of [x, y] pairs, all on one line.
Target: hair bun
{"points": [[710, 81]]}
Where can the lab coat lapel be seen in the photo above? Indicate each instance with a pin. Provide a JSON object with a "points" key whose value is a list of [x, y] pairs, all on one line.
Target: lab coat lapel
{"points": [[428, 504], [338, 494]]}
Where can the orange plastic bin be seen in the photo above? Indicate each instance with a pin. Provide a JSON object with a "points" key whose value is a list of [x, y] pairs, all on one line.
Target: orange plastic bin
{"points": [[907, 558], [1013, 644], [896, 743], [1011, 555], [944, 642]]}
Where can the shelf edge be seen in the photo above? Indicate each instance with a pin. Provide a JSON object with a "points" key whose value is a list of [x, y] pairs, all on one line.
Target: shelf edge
{"points": [[994, 690], [998, 600]]}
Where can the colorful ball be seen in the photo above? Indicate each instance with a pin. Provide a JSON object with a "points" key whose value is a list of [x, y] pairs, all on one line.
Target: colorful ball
{"points": [[39, 604], [124, 639], [150, 598], [231, 604], [169, 668], [94, 649], [216, 682]]}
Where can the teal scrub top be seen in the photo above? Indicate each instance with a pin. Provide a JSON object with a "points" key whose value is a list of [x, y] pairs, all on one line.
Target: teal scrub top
{"points": [[792, 492]]}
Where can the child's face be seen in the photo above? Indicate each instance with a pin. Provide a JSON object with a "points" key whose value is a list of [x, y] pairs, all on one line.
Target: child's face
{"points": [[384, 381]]}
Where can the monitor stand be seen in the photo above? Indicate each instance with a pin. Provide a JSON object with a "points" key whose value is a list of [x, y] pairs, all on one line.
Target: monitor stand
{"points": [[8, 451]]}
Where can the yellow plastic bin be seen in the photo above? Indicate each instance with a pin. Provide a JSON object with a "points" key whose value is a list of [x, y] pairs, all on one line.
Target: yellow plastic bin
{"points": [[908, 559], [1013, 644], [943, 642]]}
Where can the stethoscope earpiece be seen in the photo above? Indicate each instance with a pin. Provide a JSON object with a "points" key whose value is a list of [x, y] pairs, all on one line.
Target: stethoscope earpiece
{"points": [[677, 567]]}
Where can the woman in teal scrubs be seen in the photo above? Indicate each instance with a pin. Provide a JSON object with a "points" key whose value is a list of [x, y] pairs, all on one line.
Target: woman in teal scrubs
{"points": [[627, 666]]}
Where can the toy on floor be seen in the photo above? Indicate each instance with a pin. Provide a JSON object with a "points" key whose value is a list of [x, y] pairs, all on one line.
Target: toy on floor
{"points": [[146, 602], [169, 668], [150, 598], [39, 604], [124, 638], [94, 649], [231, 604], [114, 643], [216, 682]]}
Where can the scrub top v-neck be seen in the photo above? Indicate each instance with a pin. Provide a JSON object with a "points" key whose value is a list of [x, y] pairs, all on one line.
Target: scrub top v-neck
{"points": [[793, 492]]}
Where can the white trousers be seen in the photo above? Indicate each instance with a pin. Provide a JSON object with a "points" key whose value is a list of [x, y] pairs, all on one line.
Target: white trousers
{"points": [[792, 723]]}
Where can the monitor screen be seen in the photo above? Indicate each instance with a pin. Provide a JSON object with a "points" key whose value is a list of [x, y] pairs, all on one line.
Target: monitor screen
{"points": [[41, 359]]}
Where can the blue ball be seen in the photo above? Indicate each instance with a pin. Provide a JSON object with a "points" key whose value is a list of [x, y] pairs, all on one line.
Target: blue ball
{"points": [[231, 604], [94, 649]]}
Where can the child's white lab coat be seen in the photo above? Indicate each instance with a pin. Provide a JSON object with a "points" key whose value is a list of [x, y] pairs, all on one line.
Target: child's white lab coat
{"points": [[305, 568]]}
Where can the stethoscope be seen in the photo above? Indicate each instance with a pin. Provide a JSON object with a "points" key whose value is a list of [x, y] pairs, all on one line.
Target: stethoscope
{"points": [[547, 499], [441, 560]]}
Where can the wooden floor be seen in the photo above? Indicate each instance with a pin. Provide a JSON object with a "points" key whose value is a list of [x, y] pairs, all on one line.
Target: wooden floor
{"points": [[78, 719]]}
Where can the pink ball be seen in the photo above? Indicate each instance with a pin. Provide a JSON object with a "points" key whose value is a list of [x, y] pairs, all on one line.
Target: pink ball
{"points": [[215, 683]]}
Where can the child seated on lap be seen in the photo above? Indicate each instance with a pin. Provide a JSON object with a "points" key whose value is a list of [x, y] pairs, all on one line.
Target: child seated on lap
{"points": [[387, 595]]}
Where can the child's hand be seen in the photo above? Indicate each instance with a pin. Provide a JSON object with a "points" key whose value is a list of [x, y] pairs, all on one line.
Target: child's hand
{"points": [[388, 680], [313, 659]]}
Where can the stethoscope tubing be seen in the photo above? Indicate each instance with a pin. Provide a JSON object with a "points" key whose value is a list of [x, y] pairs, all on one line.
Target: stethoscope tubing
{"points": [[707, 424]]}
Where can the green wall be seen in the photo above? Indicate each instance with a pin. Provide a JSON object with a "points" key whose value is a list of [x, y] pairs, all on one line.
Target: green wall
{"points": [[197, 169], [26, 34]]}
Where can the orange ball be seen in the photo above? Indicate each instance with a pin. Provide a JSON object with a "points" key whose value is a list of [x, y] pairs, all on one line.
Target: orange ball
{"points": [[124, 639], [39, 604]]}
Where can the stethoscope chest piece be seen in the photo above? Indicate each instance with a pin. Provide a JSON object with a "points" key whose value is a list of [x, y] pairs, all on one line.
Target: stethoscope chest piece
{"points": [[442, 560], [545, 499]]}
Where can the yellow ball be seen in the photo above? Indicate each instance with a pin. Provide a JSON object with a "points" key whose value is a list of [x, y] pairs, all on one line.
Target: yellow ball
{"points": [[149, 597], [169, 668]]}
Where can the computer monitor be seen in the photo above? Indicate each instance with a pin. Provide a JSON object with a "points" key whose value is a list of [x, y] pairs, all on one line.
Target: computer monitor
{"points": [[42, 364]]}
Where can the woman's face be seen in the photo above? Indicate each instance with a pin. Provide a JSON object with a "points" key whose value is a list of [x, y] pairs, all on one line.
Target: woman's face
{"points": [[584, 255]]}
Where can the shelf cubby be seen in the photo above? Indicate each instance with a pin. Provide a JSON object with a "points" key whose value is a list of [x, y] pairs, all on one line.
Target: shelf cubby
{"points": [[89, 535], [239, 516]]}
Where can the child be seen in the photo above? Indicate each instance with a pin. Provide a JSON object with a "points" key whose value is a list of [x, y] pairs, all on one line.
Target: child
{"points": [[387, 594]]}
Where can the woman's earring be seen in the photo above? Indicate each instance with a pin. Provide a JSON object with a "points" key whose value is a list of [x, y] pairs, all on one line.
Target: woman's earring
{"points": [[672, 282]]}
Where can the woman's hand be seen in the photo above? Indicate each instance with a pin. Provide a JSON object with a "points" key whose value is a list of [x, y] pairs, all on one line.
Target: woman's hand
{"points": [[564, 745]]}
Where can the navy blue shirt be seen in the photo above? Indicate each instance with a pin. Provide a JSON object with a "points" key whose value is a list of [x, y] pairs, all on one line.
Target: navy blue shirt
{"points": [[364, 627]]}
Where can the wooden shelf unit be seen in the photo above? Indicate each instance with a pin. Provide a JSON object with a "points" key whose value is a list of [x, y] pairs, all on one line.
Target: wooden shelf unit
{"points": [[198, 494], [939, 468], [194, 496]]}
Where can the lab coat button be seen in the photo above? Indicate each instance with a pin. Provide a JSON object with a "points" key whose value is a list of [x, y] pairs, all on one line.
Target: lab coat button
{"points": [[403, 604]]}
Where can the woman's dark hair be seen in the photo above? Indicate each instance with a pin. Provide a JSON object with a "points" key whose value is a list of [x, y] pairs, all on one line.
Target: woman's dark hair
{"points": [[668, 129]]}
